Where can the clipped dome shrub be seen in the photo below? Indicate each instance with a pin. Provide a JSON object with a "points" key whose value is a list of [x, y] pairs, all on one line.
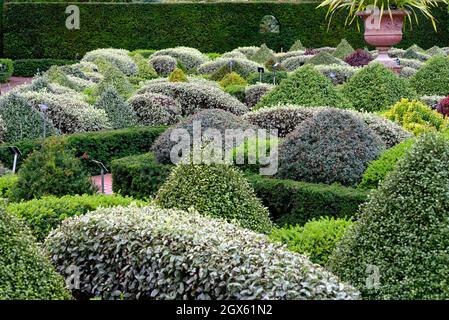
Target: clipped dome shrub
{"points": [[416, 117], [163, 64], [247, 51], [435, 50], [232, 79], [190, 58], [378, 169], [358, 58], [307, 87], [45, 214], [153, 109], [244, 67], [415, 52], [293, 63], [51, 170], [343, 49], [431, 101], [338, 74], [215, 190], [375, 88], [320, 150], [119, 113], [119, 58], [401, 233], [196, 96], [316, 239], [407, 72], [177, 75], [227, 69], [112, 77], [17, 113], [214, 119], [431, 78], [145, 70], [411, 63], [184, 255], [255, 92], [25, 271]]}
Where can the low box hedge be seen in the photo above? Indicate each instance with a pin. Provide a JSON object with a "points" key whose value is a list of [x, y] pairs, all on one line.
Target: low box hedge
{"points": [[294, 202], [103, 146], [138, 176], [29, 67]]}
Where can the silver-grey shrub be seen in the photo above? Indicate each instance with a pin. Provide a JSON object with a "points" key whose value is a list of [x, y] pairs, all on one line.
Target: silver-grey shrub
{"points": [[208, 119], [407, 72], [256, 91], [293, 63], [411, 63], [118, 57], [190, 58], [196, 96], [150, 253], [244, 65], [332, 146], [163, 64], [338, 74], [431, 101], [154, 109]]}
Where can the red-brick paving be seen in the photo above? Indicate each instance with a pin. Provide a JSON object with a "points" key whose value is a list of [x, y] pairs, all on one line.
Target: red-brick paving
{"points": [[14, 82], [107, 183]]}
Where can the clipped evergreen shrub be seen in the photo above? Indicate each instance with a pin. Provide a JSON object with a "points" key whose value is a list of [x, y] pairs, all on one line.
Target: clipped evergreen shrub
{"points": [[375, 88], [45, 214], [416, 117], [255, 92], [52, 170], [378, 169], [175, 243], [263, 55], [431, 78], [297, 46], [163, 64], [232, 79], [112, 77], [145, 70], [401, 234], [343, 50], [214, 190], [154, 109], [25, 271], [306, 87], [177, 75], [316, 239], [119, 113], [319, 149], [324, 58]]}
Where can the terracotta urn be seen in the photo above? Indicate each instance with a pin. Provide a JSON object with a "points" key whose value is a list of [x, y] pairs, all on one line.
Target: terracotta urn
{"points": [[383, 33]]}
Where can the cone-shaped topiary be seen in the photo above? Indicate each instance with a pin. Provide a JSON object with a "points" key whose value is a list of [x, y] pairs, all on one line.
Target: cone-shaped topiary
{"points": [[119, 113], [343, 49], [112, 77], [232, 79], [432, 78], [215, 190], [226, 69], [320, 149], [399, 246], [25, 272], [435, 50], [375, 88], [325, 58], [306, 87], [297, 46], [177, 75], [263, 54]]}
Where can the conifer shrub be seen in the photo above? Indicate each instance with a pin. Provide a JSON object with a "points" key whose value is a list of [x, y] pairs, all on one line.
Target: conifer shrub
{"points": [[343, 49], [177, 75], [119, 113], [431, 78]]}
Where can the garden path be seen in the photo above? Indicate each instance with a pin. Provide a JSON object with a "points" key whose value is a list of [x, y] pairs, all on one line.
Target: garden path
{"points": [[14, 82], [107, 183]]}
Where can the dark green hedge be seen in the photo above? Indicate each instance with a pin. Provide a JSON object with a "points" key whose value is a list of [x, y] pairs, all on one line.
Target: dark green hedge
{"points": [[37, 30], [292, 202], [138, 176], [29, 67], [103, 146]]}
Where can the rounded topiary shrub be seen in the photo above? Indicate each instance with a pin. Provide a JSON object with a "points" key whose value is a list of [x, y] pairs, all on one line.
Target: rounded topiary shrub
{"points": [[51, 170], [232, 79], [307, 87], [316, 239], [43, 215], [25, 271], [324, 58], [432, 79], [214, 119], [333, 146], [185, 256], [399, 244], [338, 74], [416, 117], [196, 96], [217, 191], [190, 58], [119, 113], [155, 109], [378, 169], [255, 92], [163, 64], [177, 75], [375, 88]]}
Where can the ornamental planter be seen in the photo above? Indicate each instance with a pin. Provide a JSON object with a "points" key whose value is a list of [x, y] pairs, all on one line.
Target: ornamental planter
{"points": [[383, 33]]}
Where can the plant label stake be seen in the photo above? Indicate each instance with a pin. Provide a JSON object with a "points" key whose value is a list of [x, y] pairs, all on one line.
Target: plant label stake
{"points": [[275, 66], [231, 64], [44, 108], [261, 71], [16, 152], [103, 170]]}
